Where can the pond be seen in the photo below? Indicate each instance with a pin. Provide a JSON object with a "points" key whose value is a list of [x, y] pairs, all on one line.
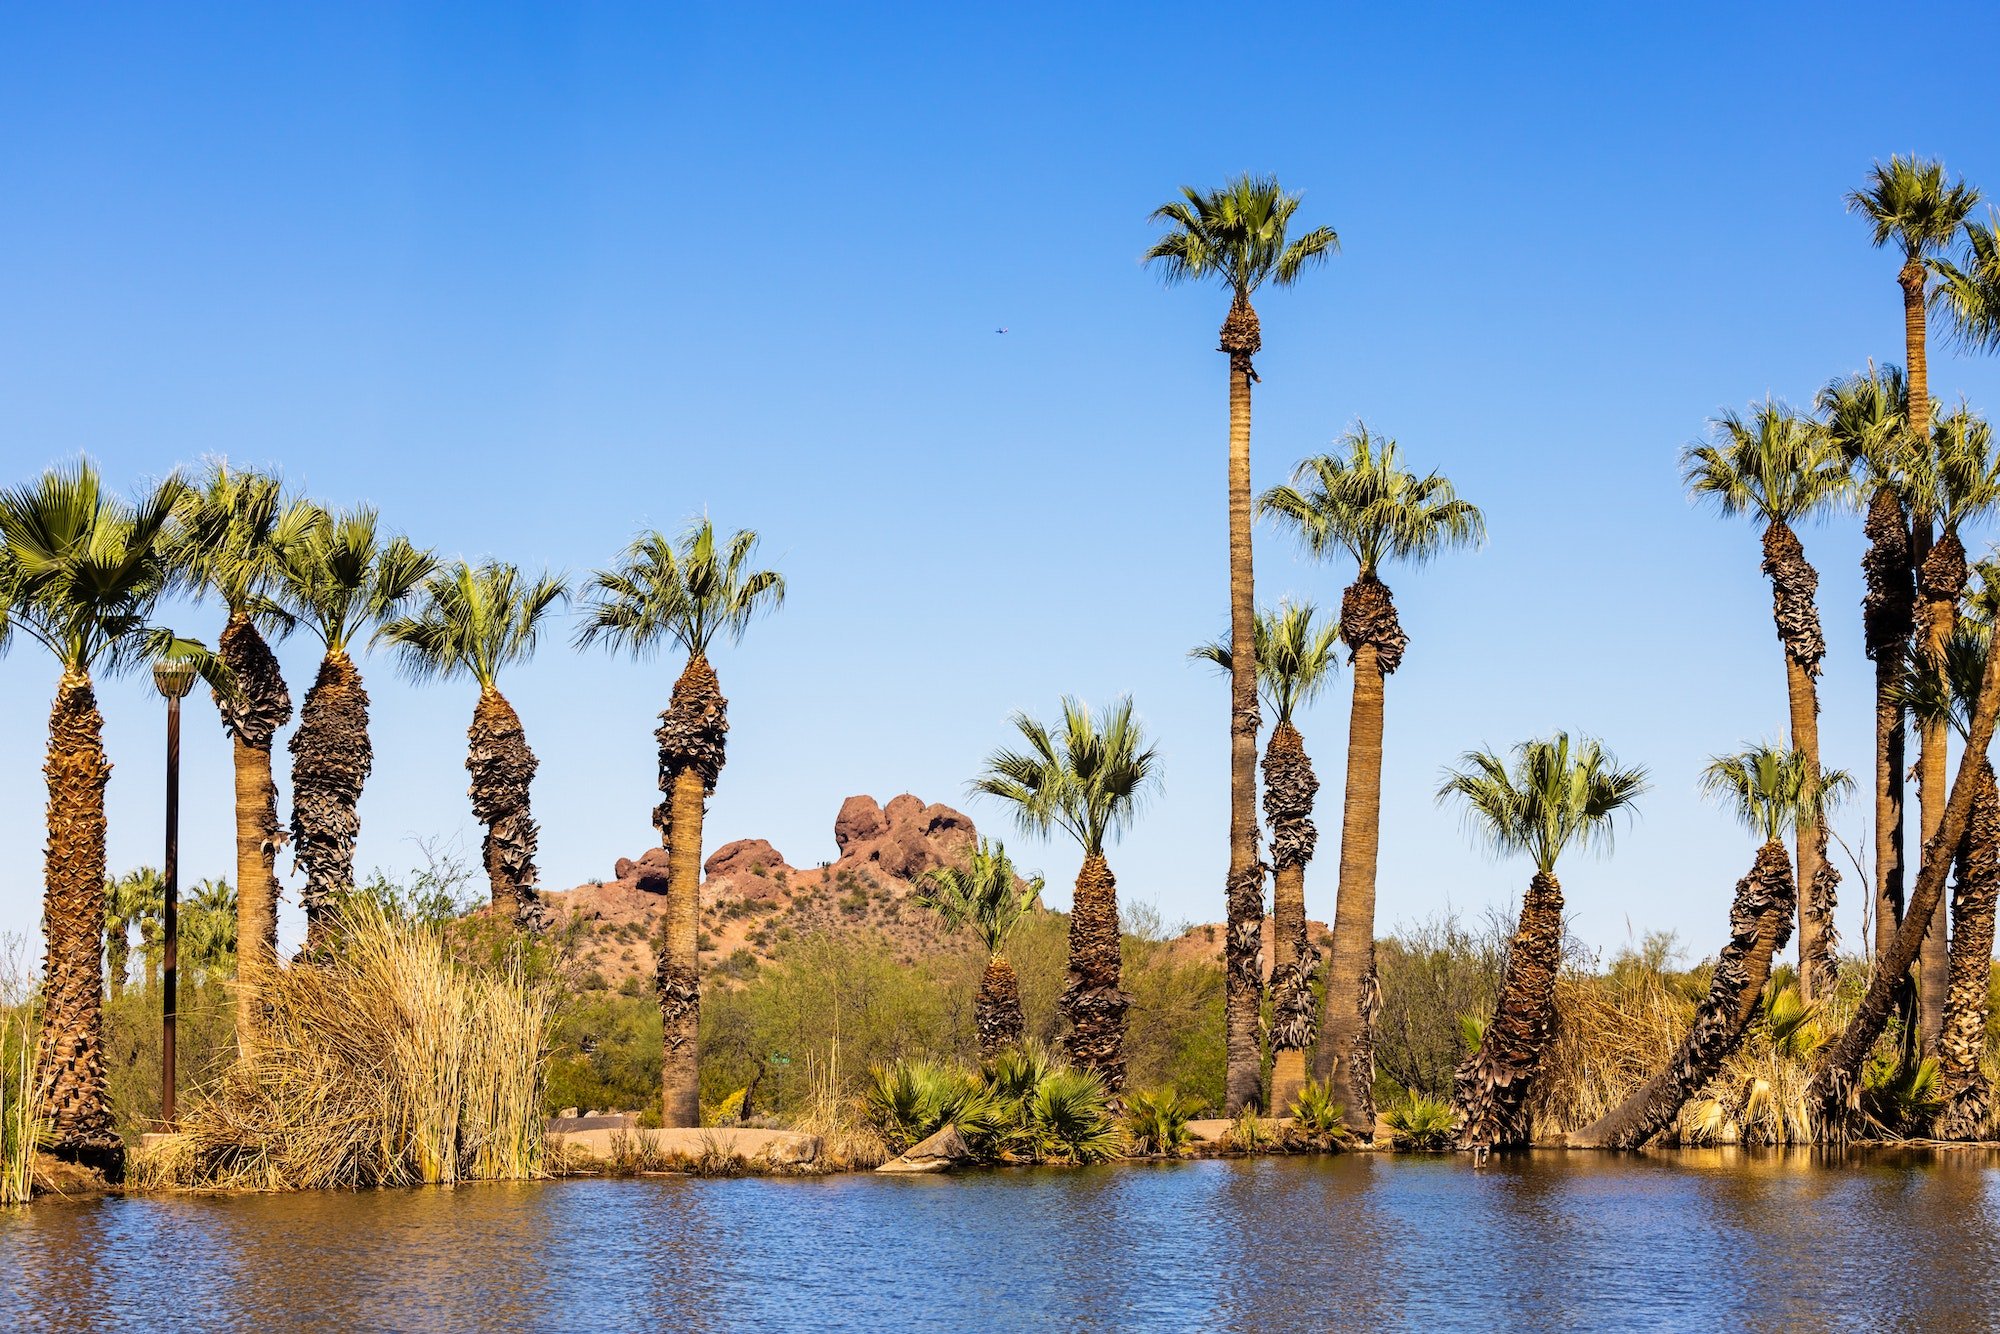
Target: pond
{"points": [[1719, 1238]]}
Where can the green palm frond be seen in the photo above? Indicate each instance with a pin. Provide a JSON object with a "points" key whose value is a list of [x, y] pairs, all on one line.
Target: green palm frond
{"points": [[1968, 289], [472, 620], [980, 893], [1777, 465], [1368, 504], [1947, 696], [341, 574], [235, 528], [1906, 200], [1769, 789], [1966, 468], [1558, 793], [1086, 777], [1296, 656], [688, 592], [1866, 417], [1237, 234]]}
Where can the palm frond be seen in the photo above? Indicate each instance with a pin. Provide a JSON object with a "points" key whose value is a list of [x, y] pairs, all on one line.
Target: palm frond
{"points": [[1087, 777], [1365, 502], [1558, 793]]}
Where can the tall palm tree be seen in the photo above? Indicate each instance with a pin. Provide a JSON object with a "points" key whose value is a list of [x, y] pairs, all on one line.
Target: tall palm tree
{"points": [[686, 593], [1363, 502], [339, 578], [82, 571], [1238, 235], [1086, 777], [985, 894], [1782, 467], [208, 930], [1557, 794], [129, 901], [234, 528], [1296, 658], [1768, 788], [471, 621]]}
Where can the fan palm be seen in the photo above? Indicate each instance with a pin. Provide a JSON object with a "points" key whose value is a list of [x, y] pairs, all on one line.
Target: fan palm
{"points": [[985, 894], [1559, 793], [1239, 235], [129, 900], [1969, 288], [1364, 503], [1782, 467], [472, 621], [1087, 777], [340, 577], [208, 930], [687, 593], [1296, 658]]}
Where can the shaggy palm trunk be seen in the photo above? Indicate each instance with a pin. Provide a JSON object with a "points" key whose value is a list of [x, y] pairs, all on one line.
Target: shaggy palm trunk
{"points": [[996, 1011], [1490, 1091], [1888, 615], [1244, 889], [331, 758], [252, 715], [1940, 580], [502, 769], [693, 737], [1345, 1056], [1289, 788], [70, 1056], [1760, 923], [1093, 1002], [1793, 585], [1962, 1041]]}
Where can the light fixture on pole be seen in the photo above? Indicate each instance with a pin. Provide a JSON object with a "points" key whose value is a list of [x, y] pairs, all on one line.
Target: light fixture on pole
{"points": [[173, 678]]}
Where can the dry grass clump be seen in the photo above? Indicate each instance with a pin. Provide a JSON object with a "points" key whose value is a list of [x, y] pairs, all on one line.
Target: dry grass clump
{"points": [[1612, 1032], [20, 1110], [848, 1136]]}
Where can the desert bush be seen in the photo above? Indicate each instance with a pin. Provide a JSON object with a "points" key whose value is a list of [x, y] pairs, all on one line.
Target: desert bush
{"points": [[1420, 1124], [1319, 1120], [1156, 1122]]}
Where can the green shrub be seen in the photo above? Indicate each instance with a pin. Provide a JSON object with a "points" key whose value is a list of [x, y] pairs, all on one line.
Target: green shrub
{"points": [[1420, 1124], [1319, 1120], [1156, 1122], [1068, 1119]]}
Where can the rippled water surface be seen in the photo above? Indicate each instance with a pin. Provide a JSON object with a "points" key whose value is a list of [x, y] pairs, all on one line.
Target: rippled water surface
{"points": [[1673, 1240]]}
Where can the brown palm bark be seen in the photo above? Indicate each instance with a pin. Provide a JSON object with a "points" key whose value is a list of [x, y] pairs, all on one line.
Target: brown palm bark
{"points": [[1794, 583], [502, 770], [693, 738], [1490, 1091], [331, 759], [70, 1056], [1940, 582], [1094, 1002], [117, 956], [1967, 1095], [1345, 1056], [996, 1011], [1289, 789], [1244, 888], [1888, 616], [252, 714], [1760, 923]]}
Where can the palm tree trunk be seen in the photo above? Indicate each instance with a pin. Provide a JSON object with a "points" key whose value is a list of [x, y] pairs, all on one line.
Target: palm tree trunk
{"points": [[1093, 1002], [117, 956], [1794, 583], [1490, 1093], [331, 759], [70, 1055], [502, 769], [1289, 788], [1243, 945], [1940, 581], [252, 716], [693, 738], [1888, 615], [1962, 1041], [1760, 923], [996, 1012]]}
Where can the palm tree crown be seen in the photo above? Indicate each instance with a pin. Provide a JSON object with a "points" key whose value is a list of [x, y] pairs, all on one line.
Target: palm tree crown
{"points": [[473, 620], [1770, 789], [1969, 289], [1086, 778], [340, 575], [1963, 472], [688, 592], [981, 894], [1558, 792], [1866, 417], [1368, 504], [234, 530], [1907, 201], [1238, 234], [1776, 464], [1296, 657]]}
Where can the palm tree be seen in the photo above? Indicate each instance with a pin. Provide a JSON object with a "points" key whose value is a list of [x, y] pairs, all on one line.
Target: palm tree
{"points": [[985, 894], [339, 577], [208, 930], [82, 571], [1968, 290], [1238, 235], [1087, 778], [1768, 788], [1365, 503], [1295, 660], [473, 620], [234, 529], [1558, 794], [1782, 467], [687, 594], [129, 900]]}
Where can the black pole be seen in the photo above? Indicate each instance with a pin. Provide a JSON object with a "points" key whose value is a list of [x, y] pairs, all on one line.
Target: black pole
{"points": [[170, 958]]}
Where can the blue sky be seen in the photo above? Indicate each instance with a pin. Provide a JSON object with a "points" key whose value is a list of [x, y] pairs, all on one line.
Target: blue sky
{"points": [[531, 278]]}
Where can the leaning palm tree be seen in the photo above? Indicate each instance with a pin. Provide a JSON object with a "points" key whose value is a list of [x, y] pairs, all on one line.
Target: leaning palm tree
{"points": [[1557, 794], [340, 577], [82, 571], [129, 900], [1238, 235], [471, 621], [686, 593], [1296, 658], [1782, 467], [985, 894], [1366, 504], [1087, 778], [1768, 788]]}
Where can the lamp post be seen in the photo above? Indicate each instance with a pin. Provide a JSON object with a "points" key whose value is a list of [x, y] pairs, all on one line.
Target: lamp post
{"points": [[173, 679]]}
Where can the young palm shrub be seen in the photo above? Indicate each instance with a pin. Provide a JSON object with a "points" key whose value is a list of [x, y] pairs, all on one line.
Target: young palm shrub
{"points": [[1420, 1125], [1295, 660], [1557, 794], [471, 621], [129, 900], [910, 1100], [1365, 504], [986, 895], [341, 576], [1156, 1123], [687, 593], [1238, 236], [1319, 1121], [1069, 1119], [1086, 779]]}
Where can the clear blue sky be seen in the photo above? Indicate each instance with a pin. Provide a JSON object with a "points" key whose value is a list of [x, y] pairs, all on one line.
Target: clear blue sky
{"points": [[530, 278]]}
